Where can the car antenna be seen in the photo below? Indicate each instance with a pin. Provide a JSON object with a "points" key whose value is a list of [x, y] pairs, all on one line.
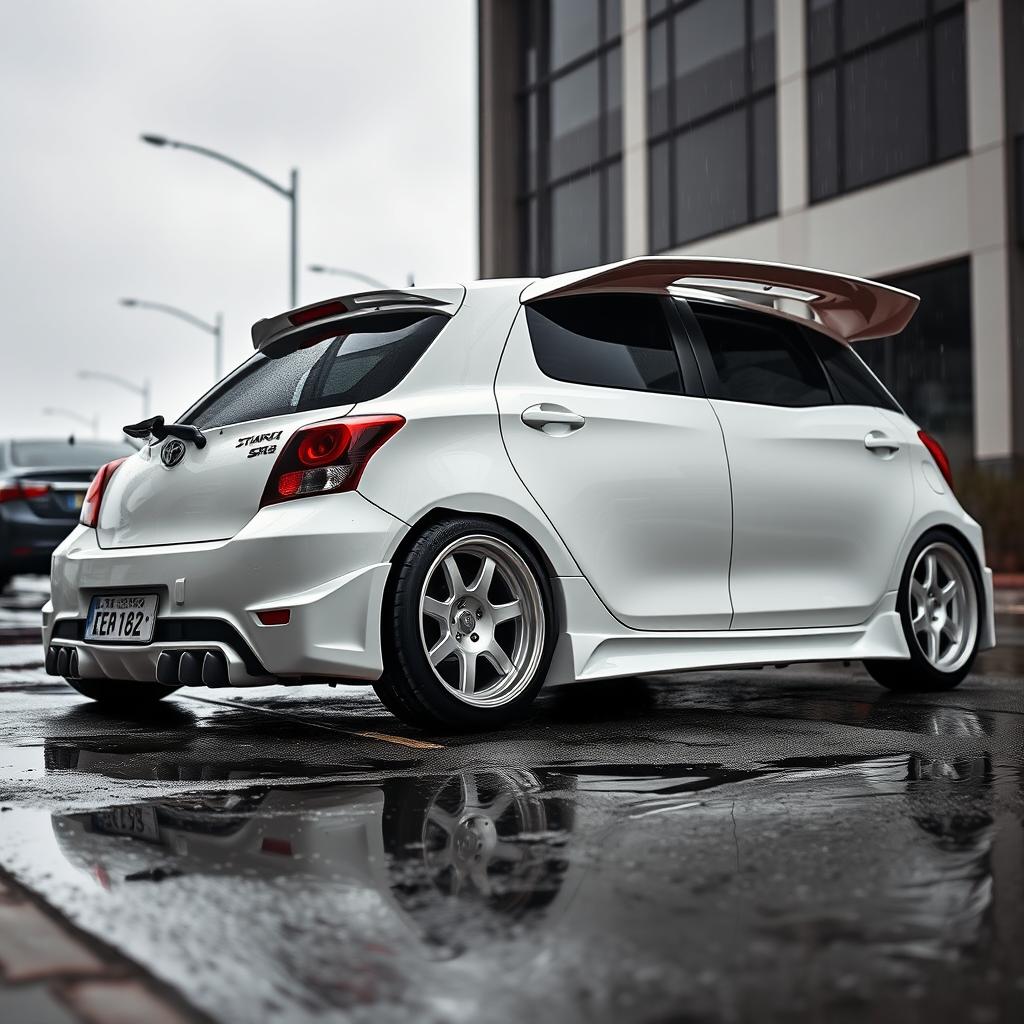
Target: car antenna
{"points": [[71, 439]]}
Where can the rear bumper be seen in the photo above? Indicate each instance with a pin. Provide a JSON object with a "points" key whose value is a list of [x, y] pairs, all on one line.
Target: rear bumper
{"points": [[322, 558]]}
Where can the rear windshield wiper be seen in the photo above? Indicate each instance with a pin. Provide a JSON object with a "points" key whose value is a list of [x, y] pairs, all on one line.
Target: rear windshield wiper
{"points": [[156, 428]]}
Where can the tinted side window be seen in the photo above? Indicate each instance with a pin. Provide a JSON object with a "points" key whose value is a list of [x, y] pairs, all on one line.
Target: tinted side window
{"points": [[611, 341], [339, 371], [760, 359], [854, 382]]}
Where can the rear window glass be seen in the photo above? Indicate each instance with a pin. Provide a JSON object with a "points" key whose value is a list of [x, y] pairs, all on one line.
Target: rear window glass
{"points": [[340, 371], [64, 454], [856, 384], [611, 341], [761, 360]]}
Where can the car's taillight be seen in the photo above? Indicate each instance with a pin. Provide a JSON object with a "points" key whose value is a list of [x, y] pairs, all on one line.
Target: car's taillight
{"points": [[327, 457], [937, 453], [94, 496], [21, 490]]}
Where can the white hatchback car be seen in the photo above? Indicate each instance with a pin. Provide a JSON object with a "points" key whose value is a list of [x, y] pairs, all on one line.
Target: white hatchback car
{"points": [[459, 494]]}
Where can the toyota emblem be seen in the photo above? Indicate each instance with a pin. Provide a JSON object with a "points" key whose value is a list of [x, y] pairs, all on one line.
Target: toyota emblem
{"points": [[172, 452]]}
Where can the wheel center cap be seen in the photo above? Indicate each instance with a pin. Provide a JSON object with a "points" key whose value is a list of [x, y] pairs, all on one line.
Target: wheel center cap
{"points": [[467, 621]]}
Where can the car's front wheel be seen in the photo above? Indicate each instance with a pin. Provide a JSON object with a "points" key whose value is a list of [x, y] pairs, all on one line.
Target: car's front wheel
{"points": [[940, 606], [114, 693], [471, 629]]}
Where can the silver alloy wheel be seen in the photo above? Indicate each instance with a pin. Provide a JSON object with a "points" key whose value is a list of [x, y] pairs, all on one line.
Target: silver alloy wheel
{"points": [[943, 605], [483, 638]]}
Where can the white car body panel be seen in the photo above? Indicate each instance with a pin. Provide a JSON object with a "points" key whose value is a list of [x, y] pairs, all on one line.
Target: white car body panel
{"points": [[621, 491], [679, 532], [818, 519]]}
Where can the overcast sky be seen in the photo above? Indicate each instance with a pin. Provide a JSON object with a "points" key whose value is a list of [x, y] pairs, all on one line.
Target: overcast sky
{"points": [[374, 101]]}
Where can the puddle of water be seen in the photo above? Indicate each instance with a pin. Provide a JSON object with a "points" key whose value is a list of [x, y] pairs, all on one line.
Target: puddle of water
{"points": [[526, 890]]}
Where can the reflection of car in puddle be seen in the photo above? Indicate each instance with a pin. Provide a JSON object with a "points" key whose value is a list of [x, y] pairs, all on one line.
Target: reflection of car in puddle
{"points": [[471, 853]]}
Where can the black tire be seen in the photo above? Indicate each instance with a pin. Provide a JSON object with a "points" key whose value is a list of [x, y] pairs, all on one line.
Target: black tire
{"points": [[409, 688], [917, 674], [113, 693]]}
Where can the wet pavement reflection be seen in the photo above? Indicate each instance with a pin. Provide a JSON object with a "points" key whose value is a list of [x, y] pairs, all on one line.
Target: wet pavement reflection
{"points": [[792, 845]]}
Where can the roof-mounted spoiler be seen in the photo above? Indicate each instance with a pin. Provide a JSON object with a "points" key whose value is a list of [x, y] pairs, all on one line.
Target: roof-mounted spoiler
{"points": [[847, 308], [307, 325]]}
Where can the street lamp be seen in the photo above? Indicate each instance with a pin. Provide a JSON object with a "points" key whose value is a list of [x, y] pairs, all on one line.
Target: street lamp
{"points": [[319, 268], [291, 194], [89, 421], [216, 328], [139, 389]]}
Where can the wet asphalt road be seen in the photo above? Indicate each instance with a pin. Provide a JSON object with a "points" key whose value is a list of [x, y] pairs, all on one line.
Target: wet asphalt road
{"points": [[790, 845]]}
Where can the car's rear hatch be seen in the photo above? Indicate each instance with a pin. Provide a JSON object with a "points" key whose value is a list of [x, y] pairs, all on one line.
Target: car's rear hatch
{"points": [[210, 493]]}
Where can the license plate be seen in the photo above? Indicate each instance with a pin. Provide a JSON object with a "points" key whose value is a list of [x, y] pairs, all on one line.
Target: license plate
{"points": [[139, 822], [122, 618]]}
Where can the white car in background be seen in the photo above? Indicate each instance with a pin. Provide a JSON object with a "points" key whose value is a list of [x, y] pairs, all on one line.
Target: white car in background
{"points": [[460, 494]]}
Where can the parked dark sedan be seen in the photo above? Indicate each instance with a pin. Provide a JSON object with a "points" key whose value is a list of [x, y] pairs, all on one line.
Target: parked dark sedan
{"points": [[42, 486]]}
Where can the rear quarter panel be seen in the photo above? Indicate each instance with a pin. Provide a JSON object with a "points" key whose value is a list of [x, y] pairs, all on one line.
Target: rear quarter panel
{"points": [[450, 452]]}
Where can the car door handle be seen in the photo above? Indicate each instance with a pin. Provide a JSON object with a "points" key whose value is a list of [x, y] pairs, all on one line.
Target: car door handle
{"points": [[545, 415], [876, 441]]}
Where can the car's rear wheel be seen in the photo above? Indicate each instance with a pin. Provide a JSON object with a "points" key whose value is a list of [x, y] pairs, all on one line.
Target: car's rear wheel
{"points": [[471, 631], [115, 693], [940, 605]]}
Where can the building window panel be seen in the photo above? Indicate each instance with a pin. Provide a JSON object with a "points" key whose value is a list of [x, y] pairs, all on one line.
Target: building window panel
{"points": [[886, 116], [570, 201], [575, 30], [887, 89], [709, 49], [866, 21], [710, 177], [576, 224], [575, 120], [929, 366], [824, 131], [949, 73], [711, 117]]}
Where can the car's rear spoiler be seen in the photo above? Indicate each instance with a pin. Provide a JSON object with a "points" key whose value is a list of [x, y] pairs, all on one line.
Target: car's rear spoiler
{"points": [[847, 308], [307, 325]]}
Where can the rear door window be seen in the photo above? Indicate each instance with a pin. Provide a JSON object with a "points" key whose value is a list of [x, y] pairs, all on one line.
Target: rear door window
{"points": [[611, 341], [854, 382], [761, 359], [351, 368]]}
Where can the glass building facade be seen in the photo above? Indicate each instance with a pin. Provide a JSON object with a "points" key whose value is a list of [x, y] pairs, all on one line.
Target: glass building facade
{"points": [[570, 117], [711, 117]]}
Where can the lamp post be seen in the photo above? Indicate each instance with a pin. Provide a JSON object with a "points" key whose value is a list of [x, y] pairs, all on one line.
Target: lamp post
{"points": [[89, 421], [291, 194], [140, 389], [319, 268], [216, 328]]}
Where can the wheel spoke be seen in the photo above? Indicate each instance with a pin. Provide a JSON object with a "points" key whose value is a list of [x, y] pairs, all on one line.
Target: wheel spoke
{"points": [[952, 630], [467, 671], [442, 649], [484, 577], [470, 792], [950, 591], [498, 658], [933, 644], [437, 609], [919, 620], [929, 572], [503, 612], [442, 819], [499, 805], [452, 573]]}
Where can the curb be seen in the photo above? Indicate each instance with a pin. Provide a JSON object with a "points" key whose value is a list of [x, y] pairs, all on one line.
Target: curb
{"points": [[54, 971]]}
